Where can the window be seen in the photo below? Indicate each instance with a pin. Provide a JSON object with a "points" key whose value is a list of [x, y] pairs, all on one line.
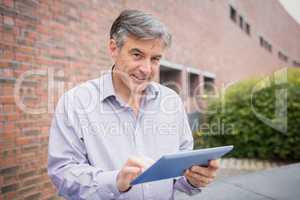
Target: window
{"points": [[269, 47], [170, 78], [193, 82], [248, 31], [209, 85], [265, 44], [282, 56], [261, 41], [241, 22], [232, 14]]}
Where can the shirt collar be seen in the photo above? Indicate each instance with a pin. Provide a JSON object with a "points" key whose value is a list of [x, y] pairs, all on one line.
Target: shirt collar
{"points": [[107, 88], [106, 85]]}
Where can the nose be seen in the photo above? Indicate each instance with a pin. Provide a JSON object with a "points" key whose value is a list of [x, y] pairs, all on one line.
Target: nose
{"points": [[146, 67]]}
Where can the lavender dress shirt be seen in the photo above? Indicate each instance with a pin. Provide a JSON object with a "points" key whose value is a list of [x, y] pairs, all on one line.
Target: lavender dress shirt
{"points": [[94, 132]]}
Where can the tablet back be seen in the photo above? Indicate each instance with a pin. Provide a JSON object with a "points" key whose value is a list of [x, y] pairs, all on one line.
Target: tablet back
{"points": [[174, 165]]}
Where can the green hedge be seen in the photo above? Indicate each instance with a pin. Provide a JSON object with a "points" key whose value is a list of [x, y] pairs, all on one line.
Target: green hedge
{"points": [[239, 118]]}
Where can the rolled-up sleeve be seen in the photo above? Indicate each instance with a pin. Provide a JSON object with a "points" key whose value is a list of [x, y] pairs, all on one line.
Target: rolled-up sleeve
{"points": [[68, 165], [186, 144]]}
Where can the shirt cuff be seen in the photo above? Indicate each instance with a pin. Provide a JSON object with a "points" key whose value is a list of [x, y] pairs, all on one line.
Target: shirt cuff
{"points": [[189, 184], [183, 185], [109, 182]]}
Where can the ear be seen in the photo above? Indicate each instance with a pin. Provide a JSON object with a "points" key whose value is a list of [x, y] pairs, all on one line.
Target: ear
{"points": [[113, 49]]}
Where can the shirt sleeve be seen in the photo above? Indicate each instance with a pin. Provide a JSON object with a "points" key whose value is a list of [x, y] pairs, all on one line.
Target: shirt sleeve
{"points": [[186, 143], [68, 165]]}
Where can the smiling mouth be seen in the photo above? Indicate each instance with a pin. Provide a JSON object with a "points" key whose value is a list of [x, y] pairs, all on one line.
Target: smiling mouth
{"points": [[138, 79]]}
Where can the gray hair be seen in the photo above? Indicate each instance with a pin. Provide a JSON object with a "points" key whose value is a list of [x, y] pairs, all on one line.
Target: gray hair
{"points": [[140, 25]]}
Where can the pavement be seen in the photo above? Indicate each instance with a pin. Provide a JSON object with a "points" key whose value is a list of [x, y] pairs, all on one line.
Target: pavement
{"points": [[280, 183]]}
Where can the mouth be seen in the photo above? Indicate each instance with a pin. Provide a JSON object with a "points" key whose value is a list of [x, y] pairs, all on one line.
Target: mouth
{"points": [[138, 79]]}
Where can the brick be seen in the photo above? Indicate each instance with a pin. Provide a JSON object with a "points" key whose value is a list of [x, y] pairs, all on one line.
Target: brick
{"points": [[1, 180], [43, 170], [8, 179], [7, 80], [30, 148], [8, 21], [47, 184], [24, 58], [9, 170], [8, 3], [12, 117], [10, 64], [54, 197], [26, 190], [27, 174], [26, 50], [27, 9], [33, 181], [12, 195], [7, 37], [7, 100], [4, 64], [9, 188], [30, 131], [9, 129], [9, 160], [8, 11], [34, 196], [5, 91], [9, 108], [7, 54]]}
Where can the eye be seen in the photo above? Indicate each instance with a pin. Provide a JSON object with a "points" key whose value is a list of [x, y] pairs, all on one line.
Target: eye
{"points": [[136, 55], [155, 60]]}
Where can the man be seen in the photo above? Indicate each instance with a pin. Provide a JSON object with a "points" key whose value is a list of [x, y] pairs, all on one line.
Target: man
{"points": [[106, 131]]}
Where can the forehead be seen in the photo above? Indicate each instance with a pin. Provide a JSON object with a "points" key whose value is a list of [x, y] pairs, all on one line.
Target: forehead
{"points": [[150, 46]]}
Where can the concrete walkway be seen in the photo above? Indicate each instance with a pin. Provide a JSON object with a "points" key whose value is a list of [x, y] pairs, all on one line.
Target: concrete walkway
{"points": [[282, 183]]}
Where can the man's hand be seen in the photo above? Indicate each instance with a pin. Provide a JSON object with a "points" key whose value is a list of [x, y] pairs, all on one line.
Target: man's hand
{"points": [[133, 167], [202, 176]]}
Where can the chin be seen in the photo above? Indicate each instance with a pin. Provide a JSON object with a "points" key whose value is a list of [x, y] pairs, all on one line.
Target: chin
{"points": [[139, 88]]}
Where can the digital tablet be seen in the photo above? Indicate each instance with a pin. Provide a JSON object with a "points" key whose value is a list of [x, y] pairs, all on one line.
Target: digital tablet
{"points": [[174, 165]]}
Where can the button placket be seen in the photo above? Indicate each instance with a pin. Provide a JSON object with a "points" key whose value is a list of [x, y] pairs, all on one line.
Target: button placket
{"points": [[138, 133], [138, 136]]}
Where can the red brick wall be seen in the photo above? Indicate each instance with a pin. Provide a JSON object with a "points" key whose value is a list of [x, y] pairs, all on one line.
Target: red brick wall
{"points": [[64, 43]]}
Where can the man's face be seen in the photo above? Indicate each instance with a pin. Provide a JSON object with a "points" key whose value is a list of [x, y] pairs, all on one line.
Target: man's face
{"points": [[137, 62]]}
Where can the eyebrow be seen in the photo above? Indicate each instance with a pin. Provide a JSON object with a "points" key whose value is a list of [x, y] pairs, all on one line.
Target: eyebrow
{"points": [[157, 56], [134, 50]]}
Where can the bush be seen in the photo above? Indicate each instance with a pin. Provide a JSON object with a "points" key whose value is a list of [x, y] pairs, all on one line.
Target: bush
{"points": [[246, 118]]}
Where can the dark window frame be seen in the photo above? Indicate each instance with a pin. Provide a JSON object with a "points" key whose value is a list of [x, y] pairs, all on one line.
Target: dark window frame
{"points": [[248, 29], [261, 41], [270, 48], [193, 82], [265, 44], [283, 57], [241, 22], [208, 86], [233, 13]]}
